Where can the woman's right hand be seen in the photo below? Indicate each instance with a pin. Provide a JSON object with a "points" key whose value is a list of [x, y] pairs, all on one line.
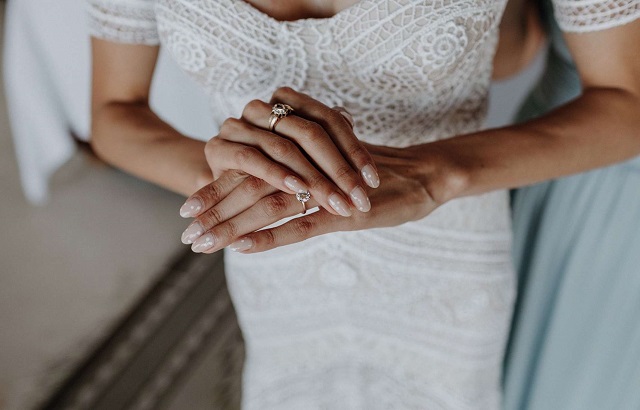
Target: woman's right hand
{"points": [[240, 215], [313, 149]]}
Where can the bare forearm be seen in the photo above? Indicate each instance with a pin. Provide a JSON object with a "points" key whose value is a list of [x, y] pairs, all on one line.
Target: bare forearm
{"points": [[131, 137], [600, 128]]}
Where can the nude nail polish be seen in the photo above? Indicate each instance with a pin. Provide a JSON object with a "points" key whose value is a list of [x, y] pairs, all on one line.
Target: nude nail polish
{"points": [[360, 199], [339, 205], [370, 176], [204, 243], [348, 117], [241, 245], [191, 208], [295, 184], [192, 233]]}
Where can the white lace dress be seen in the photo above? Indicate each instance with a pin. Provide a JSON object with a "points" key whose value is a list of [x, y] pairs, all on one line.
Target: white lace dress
{"points": [[411, 317]]}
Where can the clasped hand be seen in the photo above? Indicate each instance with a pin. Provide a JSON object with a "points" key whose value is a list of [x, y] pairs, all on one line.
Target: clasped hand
{"points": [[257, 174]]}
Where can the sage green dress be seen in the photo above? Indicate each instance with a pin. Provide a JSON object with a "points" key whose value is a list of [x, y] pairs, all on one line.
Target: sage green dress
{"points": [[575, 342]]}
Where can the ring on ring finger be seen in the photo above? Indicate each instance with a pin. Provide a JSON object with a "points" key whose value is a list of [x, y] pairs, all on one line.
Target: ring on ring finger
{"points": [[278, 111], [303, 198]]}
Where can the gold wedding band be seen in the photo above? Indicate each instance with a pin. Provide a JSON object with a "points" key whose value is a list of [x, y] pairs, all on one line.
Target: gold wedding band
{"points": [[278, 111], [273, 120]]}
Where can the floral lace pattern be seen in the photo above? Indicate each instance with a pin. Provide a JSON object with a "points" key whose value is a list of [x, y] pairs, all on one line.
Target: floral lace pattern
{"points": [[592, 15], [411, 317], [125, 21]]}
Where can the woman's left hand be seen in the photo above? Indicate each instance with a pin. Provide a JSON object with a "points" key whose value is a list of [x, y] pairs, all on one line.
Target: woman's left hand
{"points": [[403, 196]]}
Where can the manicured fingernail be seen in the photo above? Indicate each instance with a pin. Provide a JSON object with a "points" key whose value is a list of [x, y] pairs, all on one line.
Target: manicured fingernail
{"points": [[192, 233], [347, 116], [370, 176], [295, 184], [241, 245], [191, 208], [360, 199], [339, 205], [204, 243]]}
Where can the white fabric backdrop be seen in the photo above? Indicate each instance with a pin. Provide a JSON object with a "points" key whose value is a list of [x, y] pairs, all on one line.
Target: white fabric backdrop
{"points": [[47, 81]]}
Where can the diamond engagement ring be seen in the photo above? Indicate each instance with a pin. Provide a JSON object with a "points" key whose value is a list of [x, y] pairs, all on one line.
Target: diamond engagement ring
{"points": [[278, 112], [303, 197]]}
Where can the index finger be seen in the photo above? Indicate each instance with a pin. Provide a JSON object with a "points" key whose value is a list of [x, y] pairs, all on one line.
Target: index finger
{"points": [[337, 126], [209, 195]]}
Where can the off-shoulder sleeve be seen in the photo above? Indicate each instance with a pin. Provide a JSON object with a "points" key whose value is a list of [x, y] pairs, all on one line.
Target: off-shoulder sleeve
{"points": [[124, 21], [592, 15]]}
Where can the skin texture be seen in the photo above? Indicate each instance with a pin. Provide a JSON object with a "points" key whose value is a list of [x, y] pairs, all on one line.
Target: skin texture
{"points": [[289, 10], [597, 129], [126, 133], [316, 130], [521, 38]]}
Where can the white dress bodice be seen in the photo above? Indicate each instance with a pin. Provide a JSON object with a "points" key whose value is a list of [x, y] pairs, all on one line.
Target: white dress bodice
{"points": [[409, 71]]}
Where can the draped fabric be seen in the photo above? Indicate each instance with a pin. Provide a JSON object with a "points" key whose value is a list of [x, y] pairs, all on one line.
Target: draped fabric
{"points": [[575, 342]]}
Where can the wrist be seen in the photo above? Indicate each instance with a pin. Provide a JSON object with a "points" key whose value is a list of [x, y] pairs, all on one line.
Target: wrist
{"points": [[441, 175], [203, 177]]}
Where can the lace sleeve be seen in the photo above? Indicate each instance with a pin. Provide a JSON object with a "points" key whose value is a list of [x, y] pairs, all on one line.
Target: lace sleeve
{"points": [[581, 16], [124, 21]]}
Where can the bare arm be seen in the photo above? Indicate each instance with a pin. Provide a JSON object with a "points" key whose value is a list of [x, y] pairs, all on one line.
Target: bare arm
{"points": [[127, 133], [599, 128]]}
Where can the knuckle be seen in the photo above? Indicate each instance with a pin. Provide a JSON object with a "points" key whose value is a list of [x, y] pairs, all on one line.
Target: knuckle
{"points": [[334, 116], [313, 132], [302, 227], [317, 181], [275, 205], [252, 107], [244, 155], [253, 186], [281, 148], [268, 237], [230, 125], [236, 175], [255, 104], [273, 170], [228, 230], [346, 174], [283, 91], [211, 194], [210, 218], [357, 154]]}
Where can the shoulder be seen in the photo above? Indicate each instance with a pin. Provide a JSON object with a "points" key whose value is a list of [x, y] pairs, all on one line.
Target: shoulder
{"points": [[124, 21]]}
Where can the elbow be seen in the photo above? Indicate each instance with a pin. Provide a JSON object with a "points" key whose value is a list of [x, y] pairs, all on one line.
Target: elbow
{"points": [[98, 140], [98, 148], [111, 122], [108, 126]]}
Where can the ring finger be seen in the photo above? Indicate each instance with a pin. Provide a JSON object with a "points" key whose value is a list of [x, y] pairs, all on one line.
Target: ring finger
{"points": [[314, 140], [265, 212], [250, 191], [240, 135]]}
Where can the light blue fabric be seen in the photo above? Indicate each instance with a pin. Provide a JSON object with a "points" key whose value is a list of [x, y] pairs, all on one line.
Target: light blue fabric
{"points": [[575, 342]]}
